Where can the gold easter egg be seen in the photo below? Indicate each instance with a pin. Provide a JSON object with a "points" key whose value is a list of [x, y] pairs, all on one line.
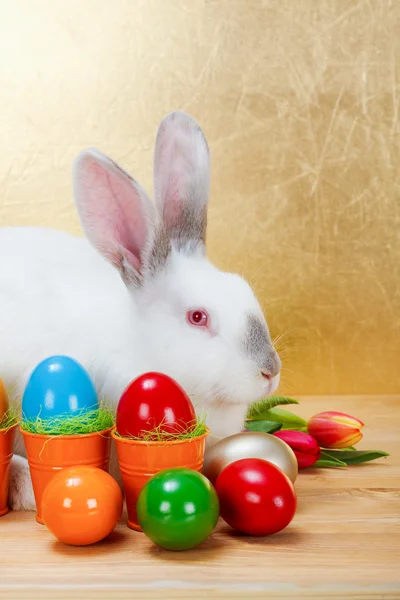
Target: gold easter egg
{"points": [[249, 444], [3, 401]]}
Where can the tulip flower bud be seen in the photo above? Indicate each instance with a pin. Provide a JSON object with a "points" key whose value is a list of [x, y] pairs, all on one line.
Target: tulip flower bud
{"points": [[303, 445], [335, 429]]}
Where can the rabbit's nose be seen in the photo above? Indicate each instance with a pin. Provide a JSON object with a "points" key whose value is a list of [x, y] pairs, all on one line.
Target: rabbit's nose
{"points": [[272, 366], [266, 375]]}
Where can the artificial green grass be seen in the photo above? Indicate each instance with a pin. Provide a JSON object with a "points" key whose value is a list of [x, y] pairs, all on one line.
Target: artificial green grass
{"points": [[79, 424], [188, 431], [9, 419]]}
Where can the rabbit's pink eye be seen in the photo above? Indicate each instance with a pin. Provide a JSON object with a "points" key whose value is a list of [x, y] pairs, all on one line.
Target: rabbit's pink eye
{"points": [[198, 317]]}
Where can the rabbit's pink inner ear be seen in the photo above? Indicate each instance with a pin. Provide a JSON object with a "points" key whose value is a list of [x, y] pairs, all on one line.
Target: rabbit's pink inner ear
{"points": [[112, 208]]}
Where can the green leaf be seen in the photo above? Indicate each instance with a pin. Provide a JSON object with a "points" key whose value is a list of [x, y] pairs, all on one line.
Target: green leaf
{"points": [[323, 463], [325, 455], [286, 418], [355, 457], [257, 409], [266, 426], [327, 461]]}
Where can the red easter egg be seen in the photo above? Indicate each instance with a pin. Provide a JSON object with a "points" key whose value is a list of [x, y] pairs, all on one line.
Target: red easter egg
{"points": [[154, 401], [256, 497]]}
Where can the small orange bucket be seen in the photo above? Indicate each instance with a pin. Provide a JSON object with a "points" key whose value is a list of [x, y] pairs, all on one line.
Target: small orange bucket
{"points": [[49, 454], [6, 451], [139, 461]]}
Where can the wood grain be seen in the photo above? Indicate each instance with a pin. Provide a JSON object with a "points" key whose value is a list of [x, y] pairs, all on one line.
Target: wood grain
{"points": [[343, 542]]}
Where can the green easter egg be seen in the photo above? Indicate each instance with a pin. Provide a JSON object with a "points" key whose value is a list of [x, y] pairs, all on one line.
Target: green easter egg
{"points": [[178, 509]]}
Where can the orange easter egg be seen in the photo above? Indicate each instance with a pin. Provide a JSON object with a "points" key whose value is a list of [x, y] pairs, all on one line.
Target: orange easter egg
{"points": [[81, 505], [3, 400]]}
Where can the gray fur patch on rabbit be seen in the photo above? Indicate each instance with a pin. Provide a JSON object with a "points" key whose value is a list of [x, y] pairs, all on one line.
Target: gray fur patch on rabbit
{"points": [[258, 346]]}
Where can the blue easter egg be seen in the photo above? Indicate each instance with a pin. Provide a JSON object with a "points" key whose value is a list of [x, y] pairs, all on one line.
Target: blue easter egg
{"points": [[59, 385]]}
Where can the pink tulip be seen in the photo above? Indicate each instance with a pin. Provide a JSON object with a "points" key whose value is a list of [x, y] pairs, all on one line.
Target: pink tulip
{"points": [[335, 429], [303, 445]]}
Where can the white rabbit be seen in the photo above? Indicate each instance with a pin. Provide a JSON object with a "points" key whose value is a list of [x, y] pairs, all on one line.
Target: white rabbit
{"points": [[140, 296]]}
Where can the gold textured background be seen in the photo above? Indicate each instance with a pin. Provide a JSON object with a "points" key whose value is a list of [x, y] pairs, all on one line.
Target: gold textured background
{"points": [[299, 100]]}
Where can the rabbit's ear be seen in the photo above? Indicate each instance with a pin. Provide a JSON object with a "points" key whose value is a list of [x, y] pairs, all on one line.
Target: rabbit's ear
{"points": [[182, 179], [116, 214]]}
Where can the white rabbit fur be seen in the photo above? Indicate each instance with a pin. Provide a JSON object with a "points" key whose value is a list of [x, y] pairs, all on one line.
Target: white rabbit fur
{"points": [[128, 314]]}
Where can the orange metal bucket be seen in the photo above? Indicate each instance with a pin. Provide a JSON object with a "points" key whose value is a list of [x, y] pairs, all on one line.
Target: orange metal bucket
{"points": [[6, 451], [139, 461], [49, 454]]}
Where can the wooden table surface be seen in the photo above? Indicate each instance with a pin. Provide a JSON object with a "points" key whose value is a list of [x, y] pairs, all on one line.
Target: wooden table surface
{"points": [[344, 541]]}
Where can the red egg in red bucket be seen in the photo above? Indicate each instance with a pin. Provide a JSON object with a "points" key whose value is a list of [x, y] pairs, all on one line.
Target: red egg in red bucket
{"points": [[156, 429], [154, 402]]}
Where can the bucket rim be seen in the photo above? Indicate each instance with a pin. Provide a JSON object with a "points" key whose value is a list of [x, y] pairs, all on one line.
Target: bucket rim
{"points": [[47, 436], [143, 443], [5, 429]]}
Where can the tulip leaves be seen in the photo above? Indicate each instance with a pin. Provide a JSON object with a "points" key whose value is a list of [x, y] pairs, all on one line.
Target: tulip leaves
{"points": [[266, 426], [258, 409], [348, 456], [287, 419], [354, 457], [265, 416], [327, 461]]}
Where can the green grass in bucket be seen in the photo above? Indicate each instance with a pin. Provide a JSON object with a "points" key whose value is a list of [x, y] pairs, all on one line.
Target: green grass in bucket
{"points": [[9, 419], [79, 424], [188, 431]]}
